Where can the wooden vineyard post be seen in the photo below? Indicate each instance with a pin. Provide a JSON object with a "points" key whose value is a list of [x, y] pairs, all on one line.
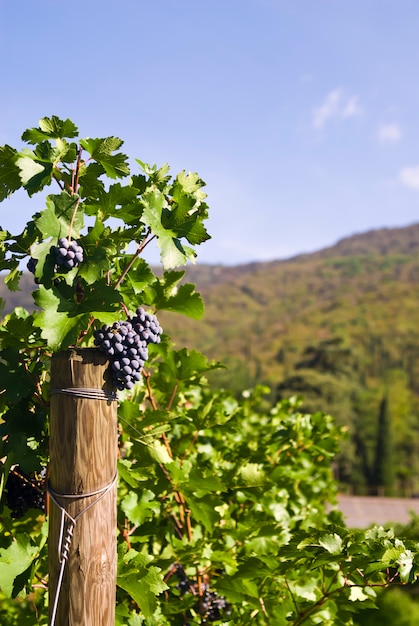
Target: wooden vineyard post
{"points": [[82, 487]]}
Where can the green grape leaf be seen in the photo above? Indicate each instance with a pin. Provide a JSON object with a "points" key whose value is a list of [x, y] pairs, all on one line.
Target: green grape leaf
{"points": [[29, 168], [16, 382], [186, 301], [10, 179], [203, 483], [12, 279], [99, 252], [54, 221], [98, 298], [15, 560], [172, 252], [331, 542], [141, 581], [115, 165], [251, 474], [406, 566], [90, 183], [188, 211], [137, 279], [62, 318], [204, 512], [166, 294], [59, 330], [356, 594], [189, 183], [139, 508], [160, 454], [65, 152], [18, 331], [50, 128], [184, 364], [118, 201], [34, 173]]}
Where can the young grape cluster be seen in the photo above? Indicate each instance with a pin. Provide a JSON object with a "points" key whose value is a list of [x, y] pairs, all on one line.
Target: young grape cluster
{"points": [[209, 605], [24, 492], [68, 253], [126, 343]]}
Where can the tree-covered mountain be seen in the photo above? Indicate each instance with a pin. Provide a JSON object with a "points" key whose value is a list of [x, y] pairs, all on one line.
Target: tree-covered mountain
{"points": [[339, 327]]}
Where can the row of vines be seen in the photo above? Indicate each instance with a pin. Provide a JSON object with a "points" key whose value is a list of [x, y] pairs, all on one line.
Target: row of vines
{"points": [[225, 504]]}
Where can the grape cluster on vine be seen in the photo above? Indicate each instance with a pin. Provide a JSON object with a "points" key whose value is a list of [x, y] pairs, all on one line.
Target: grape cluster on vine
{"points": [[209, 605], [24, 492], [68, 253], [126, 344]]}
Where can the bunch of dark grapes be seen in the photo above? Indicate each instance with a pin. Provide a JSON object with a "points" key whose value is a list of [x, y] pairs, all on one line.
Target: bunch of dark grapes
{"points": [[209, 605], [147, 326], [126, 344], [24, 492], [68, 253], [212, 607]]}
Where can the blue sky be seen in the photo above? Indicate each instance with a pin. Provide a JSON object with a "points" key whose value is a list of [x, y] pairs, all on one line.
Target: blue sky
{"points": [[302, 116]]}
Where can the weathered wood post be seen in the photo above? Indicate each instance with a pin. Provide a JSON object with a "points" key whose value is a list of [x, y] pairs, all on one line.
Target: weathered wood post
{"points": [[82, 487]]}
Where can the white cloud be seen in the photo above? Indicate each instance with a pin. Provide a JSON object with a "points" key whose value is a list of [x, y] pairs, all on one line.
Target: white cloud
{"points": [[389, 133], [335, 105], [328, 109], [409, 176], [351, 108]]}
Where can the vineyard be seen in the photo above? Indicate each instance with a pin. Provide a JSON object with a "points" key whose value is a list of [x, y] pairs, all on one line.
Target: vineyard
{"points": [[225, 503]]}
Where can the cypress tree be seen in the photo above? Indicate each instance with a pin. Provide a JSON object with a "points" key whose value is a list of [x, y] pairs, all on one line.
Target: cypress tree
{"points": [[383, 468]]}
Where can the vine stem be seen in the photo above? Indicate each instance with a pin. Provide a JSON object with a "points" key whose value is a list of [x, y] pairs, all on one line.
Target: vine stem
{"points": [[75, 182], [172, 397], [73, 217], [140, 248], [74, 187]]}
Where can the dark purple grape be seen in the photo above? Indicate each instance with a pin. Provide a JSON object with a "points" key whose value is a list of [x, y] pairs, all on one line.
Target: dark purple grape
{"points": [[68, 253]]}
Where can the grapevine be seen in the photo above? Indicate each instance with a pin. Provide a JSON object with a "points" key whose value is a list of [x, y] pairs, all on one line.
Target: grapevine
{"points": [[218, 483]]}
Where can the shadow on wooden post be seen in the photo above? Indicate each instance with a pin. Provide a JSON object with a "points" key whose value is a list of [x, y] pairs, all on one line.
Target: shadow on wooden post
{"points": [[83, 457]]}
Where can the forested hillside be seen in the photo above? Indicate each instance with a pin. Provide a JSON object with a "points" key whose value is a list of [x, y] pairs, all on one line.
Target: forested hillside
{"points": [[339, 327]]}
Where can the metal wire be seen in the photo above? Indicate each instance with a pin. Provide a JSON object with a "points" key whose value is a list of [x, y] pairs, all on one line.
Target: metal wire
{"points": [[66, 530], [84, 392]]}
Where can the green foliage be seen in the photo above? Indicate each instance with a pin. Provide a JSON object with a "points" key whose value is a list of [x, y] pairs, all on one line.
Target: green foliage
{"points": [[383, 470], [394, 607], [234, 489], [340, 338]]}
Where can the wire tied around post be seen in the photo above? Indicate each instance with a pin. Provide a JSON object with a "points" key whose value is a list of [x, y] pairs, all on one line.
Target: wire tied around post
{"points": [[89, 394], [67, 526]]}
